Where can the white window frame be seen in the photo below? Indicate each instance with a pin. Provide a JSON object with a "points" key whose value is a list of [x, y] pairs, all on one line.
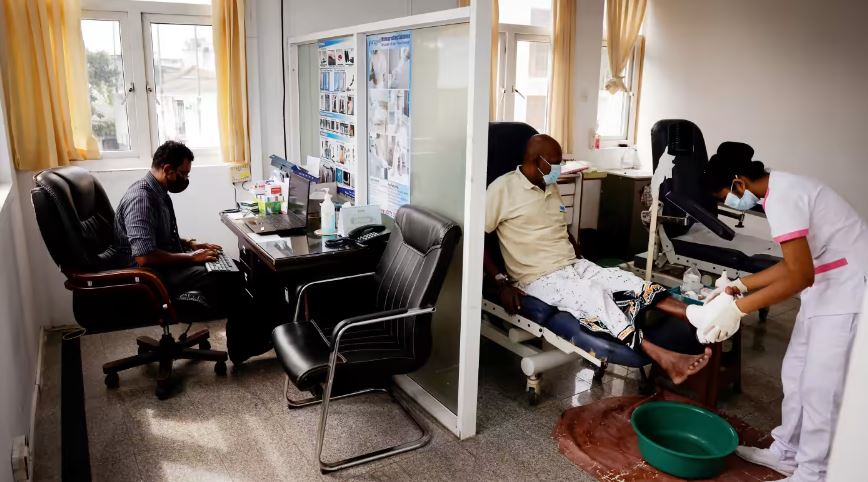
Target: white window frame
{"points": [[135, 42], [509, 36], [149, 19], [631, 109], [128, 33]]}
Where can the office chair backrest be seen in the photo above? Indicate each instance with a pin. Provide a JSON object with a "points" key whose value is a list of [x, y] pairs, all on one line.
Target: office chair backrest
{"points": [[411, 271], [75, 218], [506, 144]]}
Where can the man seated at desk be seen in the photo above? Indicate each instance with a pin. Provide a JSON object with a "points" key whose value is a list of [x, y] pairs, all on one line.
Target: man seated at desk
{"points": [[542, 259], [146, 233]]}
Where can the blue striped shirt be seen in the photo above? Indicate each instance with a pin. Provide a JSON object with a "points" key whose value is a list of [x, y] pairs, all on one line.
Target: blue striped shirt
{"points": [[145, 221]]}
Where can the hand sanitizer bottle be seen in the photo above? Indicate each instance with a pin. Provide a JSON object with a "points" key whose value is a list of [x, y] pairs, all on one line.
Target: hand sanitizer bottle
{"points": [[327, 214]]}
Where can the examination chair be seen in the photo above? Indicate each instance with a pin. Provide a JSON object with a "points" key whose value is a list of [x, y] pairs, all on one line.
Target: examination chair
{"points": [[542, 335], [386, 330], [76, 220], [691, 231]]}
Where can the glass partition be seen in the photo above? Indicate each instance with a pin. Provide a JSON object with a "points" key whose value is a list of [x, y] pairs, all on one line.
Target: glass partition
{"points": [[438, 132], [308, 101]]}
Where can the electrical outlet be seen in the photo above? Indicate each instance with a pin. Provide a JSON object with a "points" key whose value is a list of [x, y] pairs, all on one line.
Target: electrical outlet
{"points": [[20, 459]]}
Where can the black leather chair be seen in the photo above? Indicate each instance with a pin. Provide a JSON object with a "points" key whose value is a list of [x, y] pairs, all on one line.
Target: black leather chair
{"points": [[390, 334], [76, 220]]}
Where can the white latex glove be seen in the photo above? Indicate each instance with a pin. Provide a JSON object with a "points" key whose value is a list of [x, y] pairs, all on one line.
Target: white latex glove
{"points": [[736, 283], [716, 320]]}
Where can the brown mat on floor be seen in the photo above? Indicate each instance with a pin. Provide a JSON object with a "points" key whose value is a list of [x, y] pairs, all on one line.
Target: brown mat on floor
{"points": [[598, 438]]}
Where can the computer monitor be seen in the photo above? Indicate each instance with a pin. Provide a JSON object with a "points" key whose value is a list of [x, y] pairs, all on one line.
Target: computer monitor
{"points": [[299, 195]]}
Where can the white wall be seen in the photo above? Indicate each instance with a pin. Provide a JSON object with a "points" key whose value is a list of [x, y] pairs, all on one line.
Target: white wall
{"points": [[786, 76], [20, 319], [304, 17]]}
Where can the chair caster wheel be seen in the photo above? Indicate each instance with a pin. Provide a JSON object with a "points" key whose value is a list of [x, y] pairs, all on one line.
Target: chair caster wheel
{"points": [[532, 397], [112, 380], [162, 393], [220, 368], [205, 345]]}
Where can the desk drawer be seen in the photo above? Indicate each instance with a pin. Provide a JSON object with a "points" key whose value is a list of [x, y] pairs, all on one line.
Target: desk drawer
{"points": [[567, 189], [568, 201]]}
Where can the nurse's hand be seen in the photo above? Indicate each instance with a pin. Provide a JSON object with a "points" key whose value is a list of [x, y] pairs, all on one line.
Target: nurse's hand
{"points": [[716, 320], [733, 288], [725, 320]]}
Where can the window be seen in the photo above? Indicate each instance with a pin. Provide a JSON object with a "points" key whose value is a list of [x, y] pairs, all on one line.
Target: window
{"points": [[107, 86], [185, 84], [524, 61], [151, 76], [615, 112], [526, 12]]}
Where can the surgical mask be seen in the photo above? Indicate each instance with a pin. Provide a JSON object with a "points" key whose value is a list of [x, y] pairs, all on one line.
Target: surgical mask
{"points": [[178, 185], [554, 172], [747, 201]]}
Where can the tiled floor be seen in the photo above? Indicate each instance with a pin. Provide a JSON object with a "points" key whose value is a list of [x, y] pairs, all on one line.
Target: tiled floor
{"points": [[238, 428]]}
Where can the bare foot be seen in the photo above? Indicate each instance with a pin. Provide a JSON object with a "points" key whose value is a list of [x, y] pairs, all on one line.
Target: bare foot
{"points": [[677, 365]]}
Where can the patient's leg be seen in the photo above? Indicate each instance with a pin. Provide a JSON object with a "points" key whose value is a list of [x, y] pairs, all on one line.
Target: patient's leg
{"points": [[676, 365], [673, 307]]}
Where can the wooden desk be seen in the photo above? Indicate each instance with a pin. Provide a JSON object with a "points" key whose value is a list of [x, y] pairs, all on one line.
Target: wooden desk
{"points": [[273, 268]]}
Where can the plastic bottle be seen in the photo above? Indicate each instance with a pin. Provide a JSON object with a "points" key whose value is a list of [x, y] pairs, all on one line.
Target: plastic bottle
{"points": [[691, 281], [327, 214]]}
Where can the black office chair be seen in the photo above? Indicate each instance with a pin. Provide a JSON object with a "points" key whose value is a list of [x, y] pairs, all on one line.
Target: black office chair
{"points": [[76, 220], [370, 342]]}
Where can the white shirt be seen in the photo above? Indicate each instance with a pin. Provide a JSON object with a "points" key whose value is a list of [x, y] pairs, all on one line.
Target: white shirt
{"points": [[530, 225], [801, 207]]}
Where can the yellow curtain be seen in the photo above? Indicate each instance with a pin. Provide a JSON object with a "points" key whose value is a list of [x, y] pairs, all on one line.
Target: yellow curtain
{"points": [[623, 21], [561, 98], [495, 36], [231, 63], [45, 83]]}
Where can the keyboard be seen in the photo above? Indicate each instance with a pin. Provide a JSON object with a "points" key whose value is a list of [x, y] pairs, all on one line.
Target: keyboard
{"points": [[222, 264]]}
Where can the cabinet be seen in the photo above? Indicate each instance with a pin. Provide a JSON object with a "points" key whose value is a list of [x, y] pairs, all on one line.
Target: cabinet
{"points": [[620, 228]]}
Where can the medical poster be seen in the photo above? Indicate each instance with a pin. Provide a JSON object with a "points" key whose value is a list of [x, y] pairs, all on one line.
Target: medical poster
{"points": [[337, 108], [388, 78]]}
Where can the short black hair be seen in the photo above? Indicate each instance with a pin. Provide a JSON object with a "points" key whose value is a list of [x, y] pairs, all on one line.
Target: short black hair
{"points": [[172, 153]]}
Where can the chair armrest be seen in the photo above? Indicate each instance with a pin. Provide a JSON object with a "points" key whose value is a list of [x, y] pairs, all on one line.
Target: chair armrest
{"points": [[122, 277], [305, 287], [371, 318]]}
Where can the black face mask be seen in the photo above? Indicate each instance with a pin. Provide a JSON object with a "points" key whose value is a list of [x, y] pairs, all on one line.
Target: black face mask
{"points": [[178, 185]]}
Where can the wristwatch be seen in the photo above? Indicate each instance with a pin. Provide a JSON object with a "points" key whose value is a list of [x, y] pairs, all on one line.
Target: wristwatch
{"points": [[501, 277]]}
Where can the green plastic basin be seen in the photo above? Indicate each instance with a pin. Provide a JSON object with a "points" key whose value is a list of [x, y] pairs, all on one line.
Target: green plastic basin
{"points": [[683, 440]]}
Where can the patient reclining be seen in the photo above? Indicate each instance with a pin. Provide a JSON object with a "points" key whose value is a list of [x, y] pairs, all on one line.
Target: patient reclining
{"points": [[525, 209]]}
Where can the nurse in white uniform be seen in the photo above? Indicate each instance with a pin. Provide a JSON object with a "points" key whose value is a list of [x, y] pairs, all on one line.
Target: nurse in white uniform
{"points": [[825, 248]]}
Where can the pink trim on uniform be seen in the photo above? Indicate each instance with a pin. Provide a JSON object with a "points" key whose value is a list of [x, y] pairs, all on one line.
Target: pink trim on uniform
{"points": [[830, 266], [793, 235]]}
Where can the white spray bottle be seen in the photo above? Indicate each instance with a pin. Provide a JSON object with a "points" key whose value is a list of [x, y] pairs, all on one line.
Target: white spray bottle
{"points": [[327, 214]]}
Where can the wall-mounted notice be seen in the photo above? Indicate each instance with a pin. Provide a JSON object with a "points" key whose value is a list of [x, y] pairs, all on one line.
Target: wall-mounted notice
{"points": [[337, 108], [388, 77]]}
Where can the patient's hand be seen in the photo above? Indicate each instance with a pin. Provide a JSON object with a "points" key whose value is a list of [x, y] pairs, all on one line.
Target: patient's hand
{"points": [[510, 298]]}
